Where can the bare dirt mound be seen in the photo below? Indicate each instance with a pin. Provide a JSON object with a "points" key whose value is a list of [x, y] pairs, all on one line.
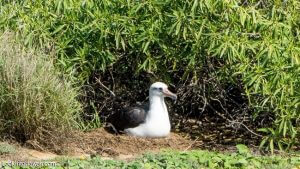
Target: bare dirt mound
{"points": [[101, 142]]}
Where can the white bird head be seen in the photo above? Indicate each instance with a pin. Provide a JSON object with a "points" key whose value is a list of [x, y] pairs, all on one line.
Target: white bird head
{"points": [[161, 89]]}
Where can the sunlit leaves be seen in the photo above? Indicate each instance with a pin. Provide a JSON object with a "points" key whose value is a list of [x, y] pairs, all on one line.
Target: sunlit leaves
{"points": [[243, 158]]}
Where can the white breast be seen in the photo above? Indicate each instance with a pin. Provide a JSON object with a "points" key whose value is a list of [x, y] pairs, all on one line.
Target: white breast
{"points": [[157, 122]]}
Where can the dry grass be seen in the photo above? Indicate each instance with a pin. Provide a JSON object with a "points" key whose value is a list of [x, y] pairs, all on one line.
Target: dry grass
{"points": [[36, 103]]}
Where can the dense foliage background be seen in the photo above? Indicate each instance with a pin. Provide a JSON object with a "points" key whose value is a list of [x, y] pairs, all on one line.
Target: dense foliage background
{"points": [[233, 58]]}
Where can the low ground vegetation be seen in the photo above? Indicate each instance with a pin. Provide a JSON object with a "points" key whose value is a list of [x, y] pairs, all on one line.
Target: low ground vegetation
{"points": [[241, 159], [193, 159]]}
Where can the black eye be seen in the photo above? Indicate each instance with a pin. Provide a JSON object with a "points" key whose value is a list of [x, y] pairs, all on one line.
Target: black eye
{"points": [[160, 89]]}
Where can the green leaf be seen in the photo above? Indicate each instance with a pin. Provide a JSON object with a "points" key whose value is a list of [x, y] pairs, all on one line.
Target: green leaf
{"points": [[265, 130], [242, 149], [146, 46], [263, 142], [242, 161], [195, 4], [178, 27], [58, 29], [272, 146]]}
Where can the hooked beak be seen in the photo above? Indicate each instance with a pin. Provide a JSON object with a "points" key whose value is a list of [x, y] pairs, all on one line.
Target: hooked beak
{"points": [[169, 94]]}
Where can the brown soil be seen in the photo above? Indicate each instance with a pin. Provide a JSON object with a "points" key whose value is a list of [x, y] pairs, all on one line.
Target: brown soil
{"points": [[111, 146], [101, 142], [105, 144]]}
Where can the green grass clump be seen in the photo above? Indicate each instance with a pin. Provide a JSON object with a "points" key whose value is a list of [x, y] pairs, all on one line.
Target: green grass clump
{"points": [[35, 101]]}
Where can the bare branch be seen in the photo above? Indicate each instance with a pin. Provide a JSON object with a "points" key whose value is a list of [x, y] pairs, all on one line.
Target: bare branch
{"points": [[111, 92]]}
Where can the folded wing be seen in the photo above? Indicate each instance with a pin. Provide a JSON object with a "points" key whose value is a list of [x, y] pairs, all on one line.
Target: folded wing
{"points": [[130, 117]]}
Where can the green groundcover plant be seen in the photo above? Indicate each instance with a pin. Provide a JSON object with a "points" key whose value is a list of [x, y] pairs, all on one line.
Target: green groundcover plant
{"points": [[193, 159], [242, 159]]}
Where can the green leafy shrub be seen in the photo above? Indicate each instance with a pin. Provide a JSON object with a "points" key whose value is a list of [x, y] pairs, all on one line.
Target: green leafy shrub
{"points": [[254, 44], [35, 102], [190, 159]]}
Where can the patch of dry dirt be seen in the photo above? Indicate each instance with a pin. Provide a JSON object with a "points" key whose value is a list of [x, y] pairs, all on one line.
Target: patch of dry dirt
{"points": [[25, 154], [105, 144], [101, 142]]}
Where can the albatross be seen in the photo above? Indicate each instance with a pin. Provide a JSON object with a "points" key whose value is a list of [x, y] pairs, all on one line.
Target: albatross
{"points": [[147, 120]]}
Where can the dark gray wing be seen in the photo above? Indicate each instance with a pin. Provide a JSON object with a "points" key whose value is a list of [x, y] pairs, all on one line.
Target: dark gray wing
{"points": [[130, 117]]}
